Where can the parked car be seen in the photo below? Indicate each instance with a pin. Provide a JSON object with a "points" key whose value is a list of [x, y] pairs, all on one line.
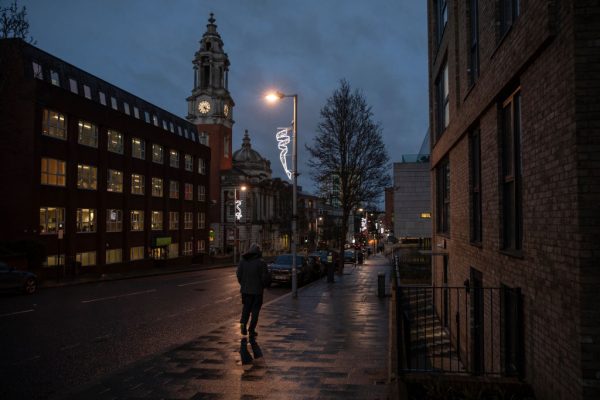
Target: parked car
{"points": [[281, 269], [14, 279]]}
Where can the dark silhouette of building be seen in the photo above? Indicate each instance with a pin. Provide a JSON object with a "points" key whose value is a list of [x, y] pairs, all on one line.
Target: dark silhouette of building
{"points": [[515, 153]]}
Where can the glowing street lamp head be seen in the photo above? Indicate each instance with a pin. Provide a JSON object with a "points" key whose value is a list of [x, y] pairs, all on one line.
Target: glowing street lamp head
{"points": [[243, 188], [272, 97]]}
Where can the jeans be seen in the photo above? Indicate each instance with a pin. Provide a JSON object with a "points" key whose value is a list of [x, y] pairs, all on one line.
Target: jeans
{"points": [[251, 305]]}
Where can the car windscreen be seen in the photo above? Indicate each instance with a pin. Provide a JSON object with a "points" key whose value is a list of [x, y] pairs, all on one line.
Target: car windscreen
{"points": [[287, 260]]}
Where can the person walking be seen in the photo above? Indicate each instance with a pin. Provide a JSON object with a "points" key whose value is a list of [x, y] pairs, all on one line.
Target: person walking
{"points": [[252, 275]]}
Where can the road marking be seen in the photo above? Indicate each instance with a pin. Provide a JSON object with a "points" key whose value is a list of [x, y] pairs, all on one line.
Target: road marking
{"points": [[16, 312], [197, 282], [119, 296]]}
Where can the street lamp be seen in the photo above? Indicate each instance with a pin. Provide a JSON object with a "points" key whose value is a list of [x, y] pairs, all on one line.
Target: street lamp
{"points": [[237, 215], [273, 97]]}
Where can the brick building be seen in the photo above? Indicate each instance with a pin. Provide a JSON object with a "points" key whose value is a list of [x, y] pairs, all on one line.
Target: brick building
{"points": [[94, 173], [515, 133]]}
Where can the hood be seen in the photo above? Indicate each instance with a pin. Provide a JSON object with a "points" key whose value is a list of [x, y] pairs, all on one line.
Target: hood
{"points": [[253, 252]]}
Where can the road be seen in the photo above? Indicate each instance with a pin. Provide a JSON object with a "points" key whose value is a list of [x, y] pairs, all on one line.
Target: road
{"points": [[64, 337]]}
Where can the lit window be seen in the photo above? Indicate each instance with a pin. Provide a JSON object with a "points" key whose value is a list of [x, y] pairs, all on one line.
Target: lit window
{"points": [[88, 134], [54, 172], [201, 246], [187, 248], [201, 166], [73, 85], [37, 71], [87, 92], [126, 108], [115, 142], [136, 253], [174, 159], [188, 191], [137, 220], [157, 187], [173, 220], [115, 181], [86, 258], [53, 260], [54, 78], [174, 189], [425, 215], [188, 220], [51, 219], [174, 250], [201, 220], [136, 112], [157, 220], [102, 97], [157, 153], [189, 162], [86, 220], [113, 256], [54, 124], [113, 103], [138, 148], [137, 184], [87, 177], [114, 220], [201, 193]]}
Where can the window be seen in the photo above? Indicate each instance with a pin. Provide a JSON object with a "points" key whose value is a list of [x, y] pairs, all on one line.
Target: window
{"points": [[157, 220], [113, 103], [88, 134], [54, 124], [510, 10], [51, 219], [474, 42], [475, 186], [179, 130], [138, 148], [187, 248], [126, 108], [114, 220], [189, 162], [86, 258], [155, 120], [173, 250], [201, 166], [157, 187], [442, 18], [165, 125], [136, 253], [226, 145], [53, 260], [73, 85], [188, 191], [171, 127], [54, 79], [201, 246], [136, 112], [137, 184], [174, 189], [512, 331], [102, 98], [137, 220], [173, 220], [157, 153], [188, 220], [174, 158], [201, 220], [87, 92], [86, 220], [147, 116], [37, 71], [512, 219], [54, 172], [115, 142], [443, 197], [87, 177], [443, 101], [201, 193], [203, 138], [113, 256], [114, 181]]}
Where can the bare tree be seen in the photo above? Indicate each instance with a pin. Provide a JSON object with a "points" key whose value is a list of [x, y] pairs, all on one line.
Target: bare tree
{"points": [[14, 23], [348, 154]]}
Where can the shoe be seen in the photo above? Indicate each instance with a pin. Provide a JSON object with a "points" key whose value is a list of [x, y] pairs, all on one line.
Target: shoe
{"points": [[243, 329], [253, 333]]}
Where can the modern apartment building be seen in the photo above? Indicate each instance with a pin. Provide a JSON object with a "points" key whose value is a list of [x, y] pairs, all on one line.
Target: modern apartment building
{"points": [[515, 133]]}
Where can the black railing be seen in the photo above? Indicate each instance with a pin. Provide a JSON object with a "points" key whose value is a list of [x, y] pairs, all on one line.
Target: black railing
{"points": [[467, 329]]}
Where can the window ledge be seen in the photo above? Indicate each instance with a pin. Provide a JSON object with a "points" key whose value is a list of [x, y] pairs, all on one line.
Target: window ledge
{"points": [[512, 253], [477, 244]]}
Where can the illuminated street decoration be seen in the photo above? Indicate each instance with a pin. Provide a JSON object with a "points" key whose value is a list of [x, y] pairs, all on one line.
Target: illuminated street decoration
{"points": [[238, 210], [283, 139]]}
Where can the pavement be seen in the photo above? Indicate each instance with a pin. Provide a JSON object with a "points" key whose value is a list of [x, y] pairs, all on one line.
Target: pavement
{"points": [[331, 342]]}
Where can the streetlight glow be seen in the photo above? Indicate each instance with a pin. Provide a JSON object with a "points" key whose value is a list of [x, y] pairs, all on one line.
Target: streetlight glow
{"points": [[272, 97]]}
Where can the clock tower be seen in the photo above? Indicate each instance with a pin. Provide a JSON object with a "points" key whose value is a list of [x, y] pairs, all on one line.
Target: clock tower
{"points": [[210, 108]]}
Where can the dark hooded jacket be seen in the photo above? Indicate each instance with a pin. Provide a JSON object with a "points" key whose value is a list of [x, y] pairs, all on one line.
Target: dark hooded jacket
{"points": [[252, 273]]}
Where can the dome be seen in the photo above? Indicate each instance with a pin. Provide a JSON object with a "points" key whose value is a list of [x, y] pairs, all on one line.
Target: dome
{"points": [[250, 161]]}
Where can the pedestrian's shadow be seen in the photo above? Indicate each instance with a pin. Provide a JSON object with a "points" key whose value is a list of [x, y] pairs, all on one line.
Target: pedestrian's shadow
{"points": [[245, 354]]}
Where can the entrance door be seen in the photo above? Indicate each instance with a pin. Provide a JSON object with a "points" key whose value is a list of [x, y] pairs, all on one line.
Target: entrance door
{"points": [[476, 287]]}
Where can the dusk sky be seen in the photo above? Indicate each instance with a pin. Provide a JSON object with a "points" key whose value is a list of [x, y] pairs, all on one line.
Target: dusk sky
{"points": [[304, 47]]}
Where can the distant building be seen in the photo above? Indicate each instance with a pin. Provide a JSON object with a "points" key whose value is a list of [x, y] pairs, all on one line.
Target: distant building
{"points": [[93, 173], [515, 100]]}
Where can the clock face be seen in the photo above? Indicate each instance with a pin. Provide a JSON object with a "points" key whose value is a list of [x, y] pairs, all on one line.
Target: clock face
{"points": [[204, 107], [226, 110]]}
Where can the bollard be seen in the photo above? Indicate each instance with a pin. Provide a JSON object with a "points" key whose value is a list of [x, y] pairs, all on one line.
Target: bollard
{"points": [[381, 284]]}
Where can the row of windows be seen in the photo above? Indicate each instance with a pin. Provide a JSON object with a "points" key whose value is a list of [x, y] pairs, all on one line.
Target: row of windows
{"points": [[54, 124], [53, 218], [54, 172], [38, 73], [88, 258]]}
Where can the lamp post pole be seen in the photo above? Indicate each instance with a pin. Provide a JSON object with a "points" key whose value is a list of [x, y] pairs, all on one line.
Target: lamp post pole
{"points": [[234, 225]]}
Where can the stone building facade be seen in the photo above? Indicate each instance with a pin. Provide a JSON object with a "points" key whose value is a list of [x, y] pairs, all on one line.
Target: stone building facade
{"points": [[515, 136]]}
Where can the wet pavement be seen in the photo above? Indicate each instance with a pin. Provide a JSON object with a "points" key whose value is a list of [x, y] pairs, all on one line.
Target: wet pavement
{"points": [[332, 342]]}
